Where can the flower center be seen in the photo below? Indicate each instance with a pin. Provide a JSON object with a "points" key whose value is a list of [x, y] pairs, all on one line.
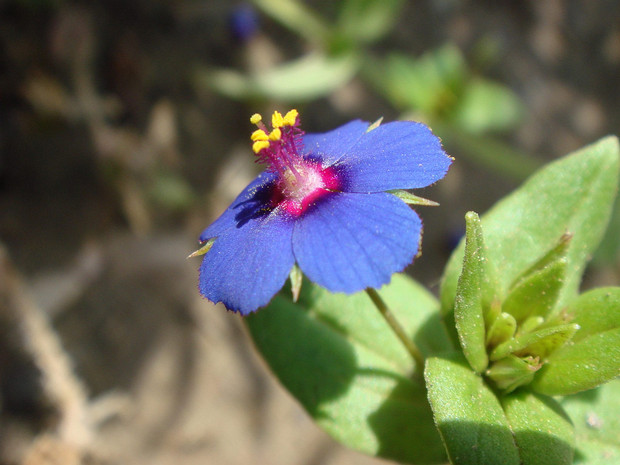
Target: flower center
{"points": [[301, 181]]}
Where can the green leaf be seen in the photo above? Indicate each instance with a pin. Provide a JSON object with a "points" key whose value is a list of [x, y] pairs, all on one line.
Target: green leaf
{"points": [[597, 424], [469, 416], [368, 20], [339, 358], [593, 356], [539, 343], [537, 294], [487, 106], [312, 76], [609, 251], [474, 294], [573, 194], [542, 430]]}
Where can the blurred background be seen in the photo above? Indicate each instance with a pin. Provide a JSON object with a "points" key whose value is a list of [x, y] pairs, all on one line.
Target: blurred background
{"points": [[124, 131]]}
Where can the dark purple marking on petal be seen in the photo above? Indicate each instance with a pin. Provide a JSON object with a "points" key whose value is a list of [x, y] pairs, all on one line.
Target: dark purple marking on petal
{"points": [[330, 146], [397, 155], [253, 202], [348, 242], [248, 264]]}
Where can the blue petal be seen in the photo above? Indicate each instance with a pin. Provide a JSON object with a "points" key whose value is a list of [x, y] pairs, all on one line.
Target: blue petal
{"points": [[251, 200], [248, 263], [398, 155], [348, 242], [332, 145]]}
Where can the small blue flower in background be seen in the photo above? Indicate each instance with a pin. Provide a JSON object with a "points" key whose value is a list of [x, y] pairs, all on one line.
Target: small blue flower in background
{"points": [[322, 204], [243, 22]]}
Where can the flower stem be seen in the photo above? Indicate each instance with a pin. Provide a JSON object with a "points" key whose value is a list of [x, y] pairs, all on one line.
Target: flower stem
{"points": [[396, 327]]}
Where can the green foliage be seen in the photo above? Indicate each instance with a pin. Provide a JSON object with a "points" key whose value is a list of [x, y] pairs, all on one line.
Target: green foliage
{"points": [[468, 414], [573, 194], [366, 21], [312, 76], [486, 106], [297, 17], [530, 329], [340, 359], [542, 431], [593, 357], [430, 84], [594, 415], [441, 88], [510, 297]]}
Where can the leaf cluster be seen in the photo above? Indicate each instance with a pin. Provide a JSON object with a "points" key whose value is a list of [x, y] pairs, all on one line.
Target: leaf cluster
{"points": [[511, 330]]}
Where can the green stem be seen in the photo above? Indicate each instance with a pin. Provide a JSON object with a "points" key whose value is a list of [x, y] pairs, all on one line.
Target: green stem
{"points": [[396, 327]]}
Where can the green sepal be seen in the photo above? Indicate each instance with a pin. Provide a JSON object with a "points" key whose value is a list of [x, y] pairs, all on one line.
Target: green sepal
{"points": [[503, 328], [511, 372], [537, 293], [296, 277], [531, 323], [593, 356], [538, 343], [411, 199], [467, 413], [542, 429], [375, 125], [203, 249], [474, 296]]}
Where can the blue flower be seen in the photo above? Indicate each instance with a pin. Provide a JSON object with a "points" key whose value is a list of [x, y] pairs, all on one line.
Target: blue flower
{"points": [[321, 203]]}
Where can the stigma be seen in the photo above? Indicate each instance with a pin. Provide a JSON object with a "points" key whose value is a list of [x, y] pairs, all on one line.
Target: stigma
{"points": [[301, 180]]}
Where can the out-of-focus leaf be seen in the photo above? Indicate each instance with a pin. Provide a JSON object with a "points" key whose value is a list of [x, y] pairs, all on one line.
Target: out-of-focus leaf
{"points": [[295, 15], [593, 356], [429, 84], [573, 194], [469, 416], [368, 20], [339, 358], [542, 430], [486, 106], [597, 424], [307, 78]]}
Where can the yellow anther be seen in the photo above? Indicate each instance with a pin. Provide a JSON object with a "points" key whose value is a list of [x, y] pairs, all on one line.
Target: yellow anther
{"points": [[276, 120], [276, 134], [260, 145], [255, 118], [290, 118], [259, 134]]}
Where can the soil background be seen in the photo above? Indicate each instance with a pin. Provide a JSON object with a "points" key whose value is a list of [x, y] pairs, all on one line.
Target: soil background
{"points": [[113, 160]]}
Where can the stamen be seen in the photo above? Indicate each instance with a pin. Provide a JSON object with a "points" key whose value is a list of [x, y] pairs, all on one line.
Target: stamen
{"points": [[255, 118], [260, 145], [275, 135], [277, 121], [259, 134], [291, 118]]}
